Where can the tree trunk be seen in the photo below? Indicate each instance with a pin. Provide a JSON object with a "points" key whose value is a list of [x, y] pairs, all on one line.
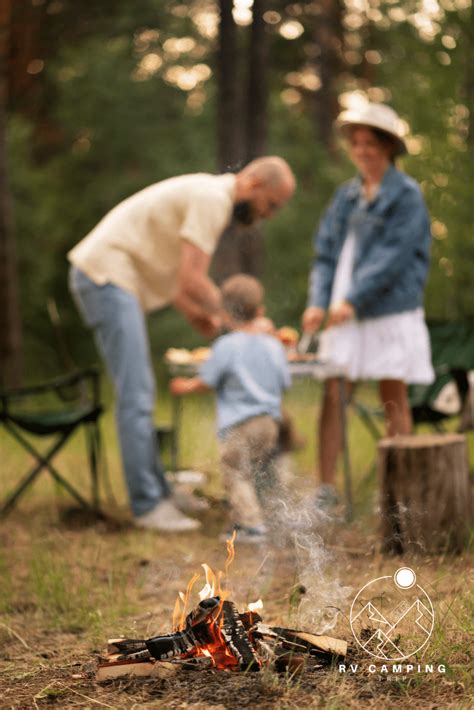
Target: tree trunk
{"points": [[425, 492], [10, 328], [25, 45], [229, 150], [327, 36], [240, 249], [257, 88]]}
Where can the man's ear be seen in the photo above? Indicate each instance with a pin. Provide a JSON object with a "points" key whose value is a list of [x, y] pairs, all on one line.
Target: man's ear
{"points": [[246, 185], [254, 181], [251, 182], [261, 310]]}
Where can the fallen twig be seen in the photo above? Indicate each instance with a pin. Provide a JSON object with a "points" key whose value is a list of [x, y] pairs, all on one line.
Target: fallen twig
{"points": [[12, 632], [40, 694]]}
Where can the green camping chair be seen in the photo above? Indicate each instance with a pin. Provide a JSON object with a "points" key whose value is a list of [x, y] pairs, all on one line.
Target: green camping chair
{"points": [[452, 348], [54, 409]]}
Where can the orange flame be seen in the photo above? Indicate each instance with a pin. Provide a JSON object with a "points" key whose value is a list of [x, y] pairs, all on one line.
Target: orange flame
{"points": [[230, 552], [184, 599], [214, 586]]}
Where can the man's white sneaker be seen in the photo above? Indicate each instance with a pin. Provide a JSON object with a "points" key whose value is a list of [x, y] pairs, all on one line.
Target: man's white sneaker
{"points": [[167, 518], [189, 502]]}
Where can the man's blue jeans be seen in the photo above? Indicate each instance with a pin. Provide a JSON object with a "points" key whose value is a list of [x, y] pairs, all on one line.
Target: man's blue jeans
{"points": [[118, 323]]}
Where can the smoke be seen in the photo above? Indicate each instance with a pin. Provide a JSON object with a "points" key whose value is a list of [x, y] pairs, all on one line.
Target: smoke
{"points": [[297, 528], [325, 597]]}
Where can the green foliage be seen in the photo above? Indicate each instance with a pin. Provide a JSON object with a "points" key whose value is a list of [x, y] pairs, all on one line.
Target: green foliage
{"points": [[429, 86], [117, 127]]}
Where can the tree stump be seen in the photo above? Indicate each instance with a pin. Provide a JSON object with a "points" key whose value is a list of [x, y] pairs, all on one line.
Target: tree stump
{"points": [[425, 492]]}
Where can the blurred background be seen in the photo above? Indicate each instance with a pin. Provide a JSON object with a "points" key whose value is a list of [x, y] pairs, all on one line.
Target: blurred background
{"points": [[100, 99]]}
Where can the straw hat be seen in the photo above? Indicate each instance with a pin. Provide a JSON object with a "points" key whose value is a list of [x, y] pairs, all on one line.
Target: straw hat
{"points": [[375, 116]]}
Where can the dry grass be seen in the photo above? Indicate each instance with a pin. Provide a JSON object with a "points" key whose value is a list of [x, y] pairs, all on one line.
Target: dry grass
{"points": [[69, 582]]}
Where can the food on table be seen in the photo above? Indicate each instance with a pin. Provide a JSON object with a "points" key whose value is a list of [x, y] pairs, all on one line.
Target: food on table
{"points": [[178, 356], [200, 354], [295, 356], [183, 356], [288, 336]]}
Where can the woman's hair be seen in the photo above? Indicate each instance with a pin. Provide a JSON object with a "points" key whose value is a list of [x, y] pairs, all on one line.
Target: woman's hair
{"points": [[388, 141], [242, 295]]}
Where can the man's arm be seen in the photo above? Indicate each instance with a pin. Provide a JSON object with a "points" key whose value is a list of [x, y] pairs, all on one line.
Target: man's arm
{"points": [[197, 297]]}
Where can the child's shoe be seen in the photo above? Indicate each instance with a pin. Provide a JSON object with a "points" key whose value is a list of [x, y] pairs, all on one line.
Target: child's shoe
{"points": [[326, 497], [253, 536]]}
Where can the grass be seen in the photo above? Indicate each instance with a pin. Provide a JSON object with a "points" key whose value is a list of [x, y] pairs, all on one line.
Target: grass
{"points": [[69, 582]]}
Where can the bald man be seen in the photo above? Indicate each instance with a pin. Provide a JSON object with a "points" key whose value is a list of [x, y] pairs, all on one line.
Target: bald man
{"points": [[152, 250]]}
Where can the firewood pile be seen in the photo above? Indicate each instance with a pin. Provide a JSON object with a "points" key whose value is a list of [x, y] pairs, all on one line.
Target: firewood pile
{"points": [[216, 635]]}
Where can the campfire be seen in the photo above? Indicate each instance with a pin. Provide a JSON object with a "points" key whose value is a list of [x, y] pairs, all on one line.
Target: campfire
{"points": [[215, 634]]}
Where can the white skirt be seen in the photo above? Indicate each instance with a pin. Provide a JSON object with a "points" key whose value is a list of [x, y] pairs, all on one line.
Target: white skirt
{"points": [[394, 347]]}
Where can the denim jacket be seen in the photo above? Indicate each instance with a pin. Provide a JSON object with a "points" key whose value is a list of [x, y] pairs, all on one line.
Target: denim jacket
{"points": [[392, 247]]}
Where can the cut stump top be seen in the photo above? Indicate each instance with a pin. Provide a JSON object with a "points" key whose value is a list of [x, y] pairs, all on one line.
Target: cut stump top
{"points": [[420, 441]]}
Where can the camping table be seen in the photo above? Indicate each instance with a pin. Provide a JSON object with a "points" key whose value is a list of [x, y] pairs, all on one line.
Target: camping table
{"points": [[311, 369]]}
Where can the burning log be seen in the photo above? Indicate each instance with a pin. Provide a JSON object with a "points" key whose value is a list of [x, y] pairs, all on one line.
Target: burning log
{"points": [[236, 638], [196, 634], [215, 633], [326, 648], [229, 640], [143, 669]]}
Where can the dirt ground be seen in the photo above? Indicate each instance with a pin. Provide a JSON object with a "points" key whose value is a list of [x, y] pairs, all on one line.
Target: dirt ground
{"points": [[69, 583]]}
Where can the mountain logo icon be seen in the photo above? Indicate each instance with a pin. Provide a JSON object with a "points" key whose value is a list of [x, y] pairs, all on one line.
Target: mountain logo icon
{"points": [[392, 617]]}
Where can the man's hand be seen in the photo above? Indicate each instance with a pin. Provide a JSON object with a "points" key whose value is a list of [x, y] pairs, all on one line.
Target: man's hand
{"points": [[340, 313], [312, 319], [197, 297], [208, 327]]}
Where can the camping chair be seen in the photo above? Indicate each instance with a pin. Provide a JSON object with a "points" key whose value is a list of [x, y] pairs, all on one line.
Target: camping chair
{"points": [[28, 410], [452, 348], [432, 404]]}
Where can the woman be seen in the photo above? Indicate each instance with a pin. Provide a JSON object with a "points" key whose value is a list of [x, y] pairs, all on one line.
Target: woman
{"points": [[368, 278]]}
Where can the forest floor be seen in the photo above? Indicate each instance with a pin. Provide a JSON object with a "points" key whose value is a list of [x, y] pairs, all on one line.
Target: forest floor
{"points": [[70, 581]]}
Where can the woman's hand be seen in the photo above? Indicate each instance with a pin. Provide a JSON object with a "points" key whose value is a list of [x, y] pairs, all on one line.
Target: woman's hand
{"points": [[312, 319], [340, 313]]}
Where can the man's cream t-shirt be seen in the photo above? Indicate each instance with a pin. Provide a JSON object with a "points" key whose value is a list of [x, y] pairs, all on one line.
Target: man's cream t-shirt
{"points": [[137, 245]]}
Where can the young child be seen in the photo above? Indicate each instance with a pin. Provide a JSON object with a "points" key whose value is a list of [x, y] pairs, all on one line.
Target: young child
{"points": [[248, 370]]}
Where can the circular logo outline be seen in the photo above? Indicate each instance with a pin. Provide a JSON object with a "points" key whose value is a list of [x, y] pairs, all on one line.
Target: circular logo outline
{"points": [[431, 609]]}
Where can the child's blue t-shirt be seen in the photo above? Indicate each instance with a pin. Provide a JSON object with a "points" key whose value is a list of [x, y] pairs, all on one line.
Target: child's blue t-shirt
{"points": [[249, 372]]}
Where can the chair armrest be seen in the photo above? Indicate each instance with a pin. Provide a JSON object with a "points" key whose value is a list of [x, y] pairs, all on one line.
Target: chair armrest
{"points": [[56, 384]]}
